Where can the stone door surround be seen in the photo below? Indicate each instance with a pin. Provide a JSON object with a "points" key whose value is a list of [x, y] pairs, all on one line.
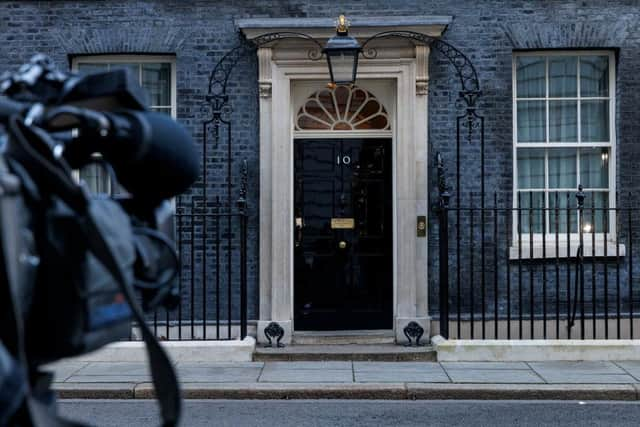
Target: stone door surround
{"points": [[287, 63]]}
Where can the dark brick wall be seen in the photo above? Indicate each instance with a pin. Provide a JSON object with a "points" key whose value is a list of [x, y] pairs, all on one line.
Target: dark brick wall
{"points": [[200, 32]]}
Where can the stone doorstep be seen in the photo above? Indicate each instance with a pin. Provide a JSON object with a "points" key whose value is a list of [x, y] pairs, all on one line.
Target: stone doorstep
{"points": [[364, 337], [345, 352], [382, 391], [535, 350]]}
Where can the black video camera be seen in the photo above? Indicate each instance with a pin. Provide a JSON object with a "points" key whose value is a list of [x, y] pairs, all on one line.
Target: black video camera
{"points": [[71, 262]]}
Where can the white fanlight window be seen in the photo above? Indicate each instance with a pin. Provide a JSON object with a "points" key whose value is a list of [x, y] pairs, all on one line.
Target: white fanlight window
{"points": [[156, 74], [564, 136], [343, 108]]}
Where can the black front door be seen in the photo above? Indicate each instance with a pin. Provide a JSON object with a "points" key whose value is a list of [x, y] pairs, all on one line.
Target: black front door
{"points": [[343, 234]]}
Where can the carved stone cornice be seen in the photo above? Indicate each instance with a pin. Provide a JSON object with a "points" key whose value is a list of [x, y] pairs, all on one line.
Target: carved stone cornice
{"points": [[422, 70], [264, 71]]}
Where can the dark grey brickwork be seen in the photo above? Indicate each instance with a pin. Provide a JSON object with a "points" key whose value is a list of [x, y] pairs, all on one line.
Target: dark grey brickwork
{"points": [[200, 32]]}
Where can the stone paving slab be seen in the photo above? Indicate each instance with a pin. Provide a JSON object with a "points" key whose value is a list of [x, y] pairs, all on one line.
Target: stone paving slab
{"points": [[586, 367], [632, 367], [589, 379], [311, 365], [582, 373], [65, 370], [108, 379], [406, 376], [398, 366], [368, 372], [493, 376], [485, 365], [190, 373], [221, 364], [114, 368], [283, 375]]}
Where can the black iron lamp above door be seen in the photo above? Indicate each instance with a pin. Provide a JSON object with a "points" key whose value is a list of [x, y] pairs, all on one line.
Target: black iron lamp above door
{"points": [[342, 52]]}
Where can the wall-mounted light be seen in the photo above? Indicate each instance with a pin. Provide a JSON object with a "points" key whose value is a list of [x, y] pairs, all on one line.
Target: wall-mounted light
{"points": [[342, 53], [587, 228]]}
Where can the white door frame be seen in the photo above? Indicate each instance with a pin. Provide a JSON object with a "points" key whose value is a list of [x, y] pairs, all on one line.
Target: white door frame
{"points": [[277, 73]]}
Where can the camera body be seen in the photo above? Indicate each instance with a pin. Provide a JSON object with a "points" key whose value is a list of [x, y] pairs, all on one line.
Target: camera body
{"points": [[72, 261]]}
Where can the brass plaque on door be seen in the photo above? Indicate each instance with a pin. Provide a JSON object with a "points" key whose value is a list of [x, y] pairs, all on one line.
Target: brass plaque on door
{"points": [[422, 226], [342, 223]]}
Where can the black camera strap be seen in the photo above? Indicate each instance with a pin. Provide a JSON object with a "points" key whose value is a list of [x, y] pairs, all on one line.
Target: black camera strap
{"points": [[164, 378], [59, 182]]}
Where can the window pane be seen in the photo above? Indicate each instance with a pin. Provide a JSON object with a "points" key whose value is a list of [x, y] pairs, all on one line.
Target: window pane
{"points": [[530, 168], [562, 168], [595, 212], [594, 76], [559, 214], [156, 79], [531, 121], [531, 215], [530, 77], [594, 167], [563, 76], [563, 121], [594, 121]]}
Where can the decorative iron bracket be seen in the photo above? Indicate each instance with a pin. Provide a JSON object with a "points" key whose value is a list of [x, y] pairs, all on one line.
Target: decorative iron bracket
{"points": [[470, 85], [413, 331], [274, 331]]}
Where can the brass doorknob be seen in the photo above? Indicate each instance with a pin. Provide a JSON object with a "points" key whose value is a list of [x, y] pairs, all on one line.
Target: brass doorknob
{"points": [[342, 244]]}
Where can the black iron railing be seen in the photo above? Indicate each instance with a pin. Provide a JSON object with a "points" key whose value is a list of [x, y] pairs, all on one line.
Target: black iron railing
{"points": [[213, 278], [212, 239], [512, 270]]}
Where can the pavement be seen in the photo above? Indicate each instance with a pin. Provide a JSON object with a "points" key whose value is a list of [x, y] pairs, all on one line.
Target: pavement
{"points": [[588, 380]]}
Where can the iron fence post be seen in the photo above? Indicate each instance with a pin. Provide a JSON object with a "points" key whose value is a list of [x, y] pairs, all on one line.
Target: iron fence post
{"points": [[443, 224], [580, 257], [242, 207]]}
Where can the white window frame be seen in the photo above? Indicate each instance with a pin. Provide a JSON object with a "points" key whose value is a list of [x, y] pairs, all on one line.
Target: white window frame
{"points": [[611, 145], [139, 59]]}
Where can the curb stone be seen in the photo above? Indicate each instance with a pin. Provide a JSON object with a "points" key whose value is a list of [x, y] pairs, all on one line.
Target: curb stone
{"points": [[388, 391], [94, 390], [364, 391], [421, 391]]}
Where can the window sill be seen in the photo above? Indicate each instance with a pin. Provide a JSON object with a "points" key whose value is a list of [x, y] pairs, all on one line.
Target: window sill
{"points": [[589, 251]]}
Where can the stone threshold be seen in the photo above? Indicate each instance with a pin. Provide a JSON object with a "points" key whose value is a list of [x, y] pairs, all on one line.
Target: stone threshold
{"points": [[344, 337]]}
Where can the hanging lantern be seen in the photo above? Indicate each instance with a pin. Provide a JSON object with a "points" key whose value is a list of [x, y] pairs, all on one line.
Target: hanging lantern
{"points": [[342, 53]]}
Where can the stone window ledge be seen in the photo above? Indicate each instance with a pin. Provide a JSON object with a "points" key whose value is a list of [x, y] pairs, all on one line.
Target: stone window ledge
{"points": [[598, 251]]}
